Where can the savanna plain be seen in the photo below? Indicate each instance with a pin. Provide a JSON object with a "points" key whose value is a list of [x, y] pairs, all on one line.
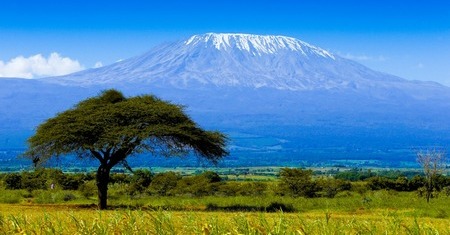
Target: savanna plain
{"points": [[277, 201]]}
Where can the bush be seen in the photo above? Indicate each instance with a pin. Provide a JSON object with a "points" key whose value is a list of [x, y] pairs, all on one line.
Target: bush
{"points": [[34, 180], [71, 181], [163, 184], [195, 186], [120, 178], [354, 174], [211, 176], [207, 183], [331, 187], [399, 184], [13, 181], [68, 197], [140, 181], [446, 190], [88, 189], [10, 196], [297, 182]]}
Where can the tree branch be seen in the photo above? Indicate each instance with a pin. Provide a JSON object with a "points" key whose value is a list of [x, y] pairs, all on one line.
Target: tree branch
{"points": [[98, 156]]}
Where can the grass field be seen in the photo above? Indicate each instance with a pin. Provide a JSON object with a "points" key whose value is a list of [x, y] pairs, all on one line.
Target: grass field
{"points": [[50, 219], [378, 212]]}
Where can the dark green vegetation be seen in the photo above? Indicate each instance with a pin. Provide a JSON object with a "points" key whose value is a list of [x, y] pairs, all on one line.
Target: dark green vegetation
{"points": [[111, 127], [211, 191]]}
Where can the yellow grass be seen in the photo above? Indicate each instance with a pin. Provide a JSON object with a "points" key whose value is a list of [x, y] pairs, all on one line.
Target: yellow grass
{"points": [[70, 219]]}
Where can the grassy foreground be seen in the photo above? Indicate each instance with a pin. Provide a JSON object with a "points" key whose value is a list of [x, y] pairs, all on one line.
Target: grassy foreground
{"points": [[76, 219]]}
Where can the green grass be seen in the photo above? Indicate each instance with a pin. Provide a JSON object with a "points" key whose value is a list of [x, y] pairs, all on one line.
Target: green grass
{"points": [[373, 212], [405, 203]]}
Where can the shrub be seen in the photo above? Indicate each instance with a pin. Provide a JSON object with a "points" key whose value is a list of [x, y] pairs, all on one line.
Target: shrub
{"points": [[139, 182], [34, 180], [163, 184], [88, 189], [120, 178], [330, 187], [446, 190], [207, 183], [211, 176], [71, 181], [298, 182], [10, 196], [13, 181], [68, 197]]}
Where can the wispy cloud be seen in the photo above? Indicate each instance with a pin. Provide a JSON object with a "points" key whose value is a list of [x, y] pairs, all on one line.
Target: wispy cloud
{"points": [[363, 57], [38, 66], [98, 64]]}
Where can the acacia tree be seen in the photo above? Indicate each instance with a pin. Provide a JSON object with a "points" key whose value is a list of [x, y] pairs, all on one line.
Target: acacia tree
{"points": [[111, 127], [433, 163]]}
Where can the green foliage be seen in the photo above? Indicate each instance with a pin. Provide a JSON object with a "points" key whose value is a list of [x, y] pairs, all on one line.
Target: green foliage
{"points": [[111, 127], [355, 174], [45, 196], [204, 184], [163, 184], [35, 180], [72, 181], [211, 176], [297, 182], [121, 178], [140, 180], [11, 196], [88, 189], [330, 187], [401, 183], [117, 127], [13, 181], [42, 178], [233, 188]]}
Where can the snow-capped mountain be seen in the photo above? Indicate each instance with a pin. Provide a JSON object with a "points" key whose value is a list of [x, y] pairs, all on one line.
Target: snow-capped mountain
{"points": [[275, 95], [237, 60]]}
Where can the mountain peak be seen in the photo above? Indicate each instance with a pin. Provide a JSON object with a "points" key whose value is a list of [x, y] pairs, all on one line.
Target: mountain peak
{"points": [[236, 60], [257, 44]]}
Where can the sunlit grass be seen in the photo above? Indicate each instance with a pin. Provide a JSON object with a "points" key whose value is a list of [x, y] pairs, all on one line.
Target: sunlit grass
{"points": [[60, 219], [371, 212]]}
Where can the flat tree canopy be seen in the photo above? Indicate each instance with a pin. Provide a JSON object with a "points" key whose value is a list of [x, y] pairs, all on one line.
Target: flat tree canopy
{"points": [[111, 127]]}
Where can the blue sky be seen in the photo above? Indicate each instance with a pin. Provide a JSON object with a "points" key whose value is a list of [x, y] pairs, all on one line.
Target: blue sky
{"points": [[410, 39]]}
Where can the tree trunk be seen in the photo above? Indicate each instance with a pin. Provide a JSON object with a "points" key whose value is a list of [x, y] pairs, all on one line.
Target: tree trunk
{"points": [[429, 189], [102, 186]]}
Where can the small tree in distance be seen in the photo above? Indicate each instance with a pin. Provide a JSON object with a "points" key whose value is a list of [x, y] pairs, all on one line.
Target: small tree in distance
{"points": [[298, 182], [433, 163], [111, 127]]}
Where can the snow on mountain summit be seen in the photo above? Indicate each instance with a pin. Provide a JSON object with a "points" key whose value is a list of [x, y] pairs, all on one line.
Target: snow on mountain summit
{"points": [[236, 60], [257, 44]]}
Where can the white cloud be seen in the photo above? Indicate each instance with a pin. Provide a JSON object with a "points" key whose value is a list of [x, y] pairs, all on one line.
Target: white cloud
{"points": [[420, 66], [363, 57], [98, 64], [39, 66]]}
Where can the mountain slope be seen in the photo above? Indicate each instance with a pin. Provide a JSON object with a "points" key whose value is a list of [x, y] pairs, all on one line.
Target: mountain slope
{"points": [[237, 60], [274, 95]]}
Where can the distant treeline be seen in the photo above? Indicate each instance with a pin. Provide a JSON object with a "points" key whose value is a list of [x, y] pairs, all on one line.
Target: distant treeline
{"points": [[292, 182]]}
